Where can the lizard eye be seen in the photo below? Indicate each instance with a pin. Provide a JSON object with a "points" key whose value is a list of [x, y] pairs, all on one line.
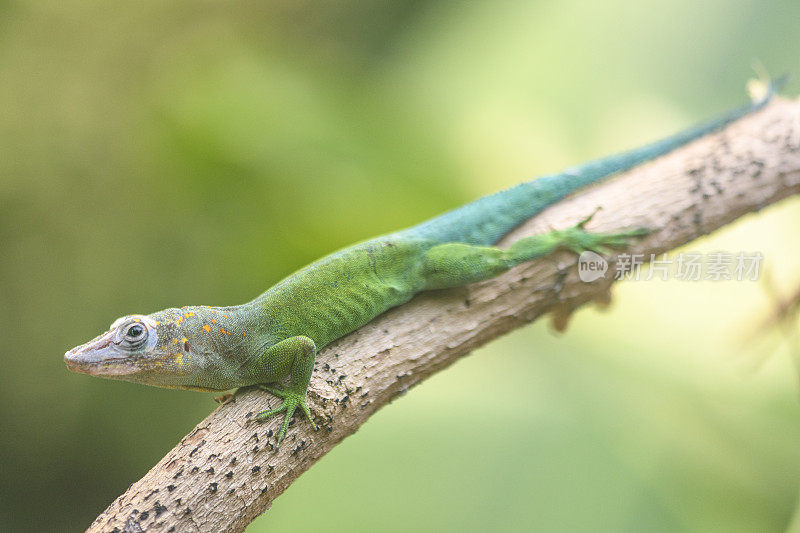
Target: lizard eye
{"points": [[135, 331], [134, 335]]}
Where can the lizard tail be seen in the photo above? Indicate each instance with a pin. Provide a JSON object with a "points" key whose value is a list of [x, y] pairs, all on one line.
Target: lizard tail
{"points": [[485, 221]]}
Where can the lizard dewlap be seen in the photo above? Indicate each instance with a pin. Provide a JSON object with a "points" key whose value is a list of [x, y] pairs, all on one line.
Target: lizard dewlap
{"points": [[277, 335]]}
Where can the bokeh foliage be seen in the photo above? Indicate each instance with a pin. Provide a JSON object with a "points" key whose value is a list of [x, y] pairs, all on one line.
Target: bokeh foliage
{"points": [[159, 154]]}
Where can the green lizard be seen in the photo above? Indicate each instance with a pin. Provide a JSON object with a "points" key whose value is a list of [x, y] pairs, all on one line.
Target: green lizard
{"points": [[277, 335]]}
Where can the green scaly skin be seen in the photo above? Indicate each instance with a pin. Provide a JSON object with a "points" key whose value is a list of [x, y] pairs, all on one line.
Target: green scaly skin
{"points": [[277, 335]]}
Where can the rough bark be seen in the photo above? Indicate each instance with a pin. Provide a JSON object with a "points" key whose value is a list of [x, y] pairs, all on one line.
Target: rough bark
{"points": [[225, 472]]}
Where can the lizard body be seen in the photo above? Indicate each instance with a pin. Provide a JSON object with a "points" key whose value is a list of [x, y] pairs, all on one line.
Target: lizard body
{"points": [[277, 335]]}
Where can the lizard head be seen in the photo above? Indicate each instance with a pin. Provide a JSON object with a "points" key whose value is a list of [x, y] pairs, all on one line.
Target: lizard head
{"points": [[130, 350], [173, 348]]}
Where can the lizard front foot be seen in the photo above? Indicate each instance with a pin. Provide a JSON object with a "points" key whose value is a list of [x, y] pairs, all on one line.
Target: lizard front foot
{"points": [[291, 401], [224, 398]]}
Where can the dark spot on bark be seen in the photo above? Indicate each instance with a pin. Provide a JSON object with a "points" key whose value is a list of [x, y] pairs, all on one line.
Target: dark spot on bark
{"points": [[178, 502], [186, 346], [697, 220], [256, 469], [210, 470], [144, 516], [131, 526], [233, 461], [696, 170], [231, 491], [264, 489], [229, 474], [170, 488], [158, 508], [212, 487], [756, 167], [176, 476], [194, 470], [269, 433], [188, 511]]}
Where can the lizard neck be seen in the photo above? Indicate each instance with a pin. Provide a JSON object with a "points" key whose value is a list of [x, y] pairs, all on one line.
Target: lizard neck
{"points": [[212, 345], [235, 332]]}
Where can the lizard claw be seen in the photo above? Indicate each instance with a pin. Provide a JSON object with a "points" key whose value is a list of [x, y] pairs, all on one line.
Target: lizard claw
{"points": [[291, 401], [582, 223], [224, 398]]}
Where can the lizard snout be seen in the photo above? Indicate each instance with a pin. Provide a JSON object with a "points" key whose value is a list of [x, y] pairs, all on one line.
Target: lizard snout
{"points": [[91, 357]]}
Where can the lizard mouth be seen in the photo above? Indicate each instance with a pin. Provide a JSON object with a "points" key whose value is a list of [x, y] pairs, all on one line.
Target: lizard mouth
{"points": [[99, 358], [89, 363]]}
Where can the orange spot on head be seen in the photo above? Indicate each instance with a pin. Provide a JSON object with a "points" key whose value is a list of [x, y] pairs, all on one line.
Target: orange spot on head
{"points": [[244, 334], [214, 320], [189, 314], [207, 327], [227, 332], [222, 330], [226, 316]]}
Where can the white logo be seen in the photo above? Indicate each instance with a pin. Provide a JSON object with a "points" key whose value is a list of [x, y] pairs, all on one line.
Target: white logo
{"points": [[591, 266]]}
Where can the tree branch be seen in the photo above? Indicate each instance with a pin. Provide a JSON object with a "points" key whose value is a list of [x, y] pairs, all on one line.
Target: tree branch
{"points": [[225, 472]]}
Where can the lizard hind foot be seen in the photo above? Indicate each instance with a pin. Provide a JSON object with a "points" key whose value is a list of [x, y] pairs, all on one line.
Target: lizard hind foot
{"points": [[291, 401], [579, 240]]}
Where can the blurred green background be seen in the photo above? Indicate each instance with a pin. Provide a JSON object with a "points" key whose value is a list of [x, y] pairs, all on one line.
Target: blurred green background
{"points": [[158, 154]]}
